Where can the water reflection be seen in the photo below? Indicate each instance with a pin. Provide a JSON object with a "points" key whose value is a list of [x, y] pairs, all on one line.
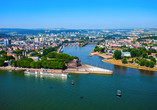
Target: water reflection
{"points": [[147, 73], [124, 68], [58, 78], [120, 68]]}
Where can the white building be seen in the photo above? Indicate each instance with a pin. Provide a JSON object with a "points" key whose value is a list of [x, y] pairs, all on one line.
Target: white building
{"points": [[36, 39], [126, 54], [34, 58]]}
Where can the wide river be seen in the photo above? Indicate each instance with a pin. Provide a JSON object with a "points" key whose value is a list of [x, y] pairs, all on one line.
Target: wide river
{"points": [[90, 92]]}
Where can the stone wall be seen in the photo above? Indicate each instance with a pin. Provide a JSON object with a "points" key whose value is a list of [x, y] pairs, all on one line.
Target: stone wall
{"points": [[73, 64]]}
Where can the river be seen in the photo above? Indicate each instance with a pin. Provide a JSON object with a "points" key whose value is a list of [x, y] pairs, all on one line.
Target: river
{"points": [[92, 91]]}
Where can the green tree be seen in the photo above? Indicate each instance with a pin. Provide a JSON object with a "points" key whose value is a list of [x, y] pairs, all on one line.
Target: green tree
{"points": [[43, 58], [142, 62], [153, 59], [28, 64], [51, 49], [1, 52], [133, 53], [69, 58], [96, 49], [13, 62], [153, 51], [146, 63], [144, 54], [19, 63], [62, 56], [61, 65], [117, 54], [32, 64], [1, 62], [44, 64], [151, 64], [38, 64], [51, 55]]}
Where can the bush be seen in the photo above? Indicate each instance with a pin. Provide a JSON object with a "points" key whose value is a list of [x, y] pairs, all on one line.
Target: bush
{"points": [[124, 60]]}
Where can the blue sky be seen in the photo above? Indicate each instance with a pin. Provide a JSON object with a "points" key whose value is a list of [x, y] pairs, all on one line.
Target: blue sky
{"points": [[78, 14]]}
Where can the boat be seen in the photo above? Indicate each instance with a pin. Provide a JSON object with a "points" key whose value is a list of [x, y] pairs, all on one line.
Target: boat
{"points": [[72, 82], [36, 72], [61, 51], [119, 93]]}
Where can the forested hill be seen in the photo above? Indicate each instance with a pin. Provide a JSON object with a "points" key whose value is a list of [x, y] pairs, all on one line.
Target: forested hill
{"points": [[39, 31], [144, 38], [4, 35]]}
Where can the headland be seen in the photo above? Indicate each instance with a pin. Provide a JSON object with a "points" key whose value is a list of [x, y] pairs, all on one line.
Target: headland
{"points": [[83, 69]]}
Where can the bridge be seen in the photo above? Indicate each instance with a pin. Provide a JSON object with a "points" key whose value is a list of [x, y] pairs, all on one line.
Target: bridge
{"points": [[75, 43]]}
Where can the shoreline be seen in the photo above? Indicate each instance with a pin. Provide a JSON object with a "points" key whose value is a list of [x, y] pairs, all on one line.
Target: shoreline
{"points": [[101, 55], [130, 65], [84, 69]]}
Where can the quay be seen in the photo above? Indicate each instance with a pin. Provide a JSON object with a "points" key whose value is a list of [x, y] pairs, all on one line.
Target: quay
{"points": [[88, 69], [83, 69]]}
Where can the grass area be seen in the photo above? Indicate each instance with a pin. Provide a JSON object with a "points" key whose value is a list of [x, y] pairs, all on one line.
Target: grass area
{"points": [[119, 62]]}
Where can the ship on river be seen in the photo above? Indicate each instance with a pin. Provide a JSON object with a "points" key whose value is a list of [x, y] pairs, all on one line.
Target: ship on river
{"points": [[36, 72]]}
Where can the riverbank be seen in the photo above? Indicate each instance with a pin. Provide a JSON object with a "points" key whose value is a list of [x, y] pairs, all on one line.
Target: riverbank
{"points": [[84, 69], [119, 63], [101, 55]]}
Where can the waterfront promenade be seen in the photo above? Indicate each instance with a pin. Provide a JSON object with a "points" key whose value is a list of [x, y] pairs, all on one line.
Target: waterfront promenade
{"points": [[87, 69], [84, 69]]}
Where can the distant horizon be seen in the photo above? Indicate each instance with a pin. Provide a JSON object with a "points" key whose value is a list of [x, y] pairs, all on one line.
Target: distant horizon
{"points": [[72, 29]]}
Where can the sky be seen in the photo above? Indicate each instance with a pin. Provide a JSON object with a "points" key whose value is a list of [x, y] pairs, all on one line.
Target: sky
{"points": [[78, 14]]}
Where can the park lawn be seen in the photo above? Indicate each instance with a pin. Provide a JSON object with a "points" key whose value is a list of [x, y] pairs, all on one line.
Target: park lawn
{"points": [[119, 62]]}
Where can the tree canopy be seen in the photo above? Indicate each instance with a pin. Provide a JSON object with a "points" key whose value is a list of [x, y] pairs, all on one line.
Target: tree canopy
{"points": [[117, 54]]}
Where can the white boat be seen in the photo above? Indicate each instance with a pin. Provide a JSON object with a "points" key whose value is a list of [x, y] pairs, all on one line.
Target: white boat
{"points": [[61, 50], [119, 93], [46, 73]]}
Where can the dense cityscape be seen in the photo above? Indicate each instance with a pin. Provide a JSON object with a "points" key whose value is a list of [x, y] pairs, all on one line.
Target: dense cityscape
{"points": [[137, 45]]}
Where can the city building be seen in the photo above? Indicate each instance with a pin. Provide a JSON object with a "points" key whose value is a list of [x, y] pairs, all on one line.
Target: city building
{"points": [[36, 39], [7, 42], [126, 54]]}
